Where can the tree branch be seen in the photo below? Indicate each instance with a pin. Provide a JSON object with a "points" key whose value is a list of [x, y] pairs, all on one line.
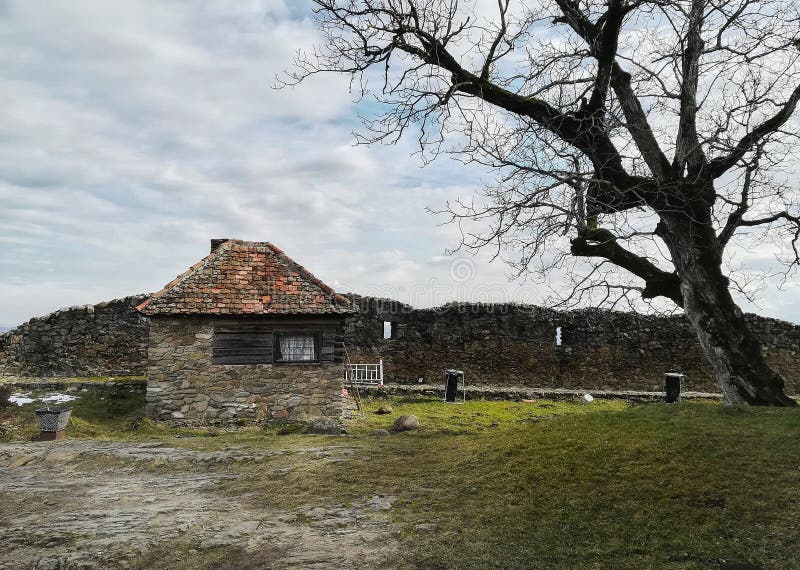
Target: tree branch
{"points": [[658, 283], [772, 218], [606, 52], [638, 125], [687, 148], [579, 130], [720, 165], [490, 57], [735, 218]]}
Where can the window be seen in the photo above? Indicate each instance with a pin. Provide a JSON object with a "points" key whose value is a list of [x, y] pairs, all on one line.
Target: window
{"points": [[390, 330], [296, 347], [252, 342]]}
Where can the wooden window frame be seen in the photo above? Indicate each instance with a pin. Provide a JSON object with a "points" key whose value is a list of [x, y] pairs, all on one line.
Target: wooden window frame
{"points": [[277, 357]]}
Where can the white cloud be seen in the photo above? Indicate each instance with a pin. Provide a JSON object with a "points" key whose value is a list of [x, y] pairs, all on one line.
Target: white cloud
{"points": [[132, 132]]}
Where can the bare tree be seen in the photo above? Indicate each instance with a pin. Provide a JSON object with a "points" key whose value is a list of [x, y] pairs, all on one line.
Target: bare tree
{"points": [[644, 136]]}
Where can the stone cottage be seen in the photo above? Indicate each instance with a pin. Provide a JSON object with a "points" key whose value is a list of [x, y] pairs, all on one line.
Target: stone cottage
{"points": [[245, 334]]}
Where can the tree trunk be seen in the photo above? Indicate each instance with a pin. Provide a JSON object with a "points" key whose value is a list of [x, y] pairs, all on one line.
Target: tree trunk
{"points": [[731, 348]]}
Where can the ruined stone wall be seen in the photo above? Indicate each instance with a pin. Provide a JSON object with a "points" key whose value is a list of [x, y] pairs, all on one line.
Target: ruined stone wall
{"points": [[780, 343], [106, 339], [510, 344], [494, 344], [184, 386]]}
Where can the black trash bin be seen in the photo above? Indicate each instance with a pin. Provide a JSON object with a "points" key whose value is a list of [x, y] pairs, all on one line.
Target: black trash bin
{"points": [[451, 381], [672, 386]]}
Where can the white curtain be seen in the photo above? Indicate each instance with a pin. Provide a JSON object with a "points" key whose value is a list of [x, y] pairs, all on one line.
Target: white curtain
{"points": [[297, 347]]}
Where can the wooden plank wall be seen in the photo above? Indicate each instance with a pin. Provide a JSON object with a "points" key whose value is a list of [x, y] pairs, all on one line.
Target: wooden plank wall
{"points": [[251, 341]]}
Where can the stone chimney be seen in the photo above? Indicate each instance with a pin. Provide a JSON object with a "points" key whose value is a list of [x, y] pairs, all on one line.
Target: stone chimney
{"points": [[216, 242]]}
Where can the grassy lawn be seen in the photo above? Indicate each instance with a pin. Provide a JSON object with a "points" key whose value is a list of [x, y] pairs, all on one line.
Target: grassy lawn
{"points": [[686, 486], [535, 485]]}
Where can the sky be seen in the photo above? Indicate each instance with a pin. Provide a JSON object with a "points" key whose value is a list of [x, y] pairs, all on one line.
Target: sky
{"points": [[133, 132]]}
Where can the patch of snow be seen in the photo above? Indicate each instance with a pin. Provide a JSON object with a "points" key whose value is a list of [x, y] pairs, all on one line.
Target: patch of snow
{"points": [[21, 399], [59, 398]]}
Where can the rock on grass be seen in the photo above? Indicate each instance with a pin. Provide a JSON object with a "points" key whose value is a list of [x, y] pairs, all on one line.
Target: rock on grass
{"points": [[326, 426], [406, 422]]}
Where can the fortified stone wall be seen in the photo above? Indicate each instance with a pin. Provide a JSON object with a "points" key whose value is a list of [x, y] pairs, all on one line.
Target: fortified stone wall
{"points": [[509, 344], [184, 386], [494, 344], [106, 339]]}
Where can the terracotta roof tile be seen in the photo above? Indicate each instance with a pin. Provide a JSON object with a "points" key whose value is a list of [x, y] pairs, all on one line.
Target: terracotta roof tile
{"points": [[246, 278]]}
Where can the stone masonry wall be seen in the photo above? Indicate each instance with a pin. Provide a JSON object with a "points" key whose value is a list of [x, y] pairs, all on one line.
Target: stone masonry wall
{"points": [[499, 345], [183, 386], [506, 345], [106, 339]]}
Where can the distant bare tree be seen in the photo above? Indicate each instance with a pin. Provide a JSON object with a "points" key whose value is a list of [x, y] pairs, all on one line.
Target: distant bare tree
{"points": [[641, 135]]}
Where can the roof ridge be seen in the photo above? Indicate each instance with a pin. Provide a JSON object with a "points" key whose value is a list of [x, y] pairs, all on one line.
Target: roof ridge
{"points": [[181, 276], [306, 273]]}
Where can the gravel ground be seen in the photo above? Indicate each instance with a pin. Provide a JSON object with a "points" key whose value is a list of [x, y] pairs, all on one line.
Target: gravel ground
{"points": [[90, 504]]}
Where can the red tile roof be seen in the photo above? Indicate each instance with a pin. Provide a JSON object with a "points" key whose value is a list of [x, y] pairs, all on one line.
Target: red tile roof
{"points": [[246, 278]]}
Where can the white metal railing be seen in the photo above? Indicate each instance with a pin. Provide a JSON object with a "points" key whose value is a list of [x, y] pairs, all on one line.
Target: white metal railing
{"points": [[364, 374]]}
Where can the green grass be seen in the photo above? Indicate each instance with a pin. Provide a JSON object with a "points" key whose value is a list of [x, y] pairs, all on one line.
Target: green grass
{"points": [[474, 416], [72, 379], [650, 486], [535, 485]]}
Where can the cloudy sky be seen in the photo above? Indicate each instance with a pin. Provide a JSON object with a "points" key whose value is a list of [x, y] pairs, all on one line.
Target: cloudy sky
{"points": [[133, 132]]}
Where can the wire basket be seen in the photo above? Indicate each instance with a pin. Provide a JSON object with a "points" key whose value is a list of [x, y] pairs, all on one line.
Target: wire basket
{"points": [[53, 419]]}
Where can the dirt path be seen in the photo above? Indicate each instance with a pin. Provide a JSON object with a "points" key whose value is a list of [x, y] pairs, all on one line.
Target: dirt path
{"points": [[88, 504]]}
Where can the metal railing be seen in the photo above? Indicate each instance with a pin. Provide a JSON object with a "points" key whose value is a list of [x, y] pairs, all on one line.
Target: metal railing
{"points": [[364, 374]]}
